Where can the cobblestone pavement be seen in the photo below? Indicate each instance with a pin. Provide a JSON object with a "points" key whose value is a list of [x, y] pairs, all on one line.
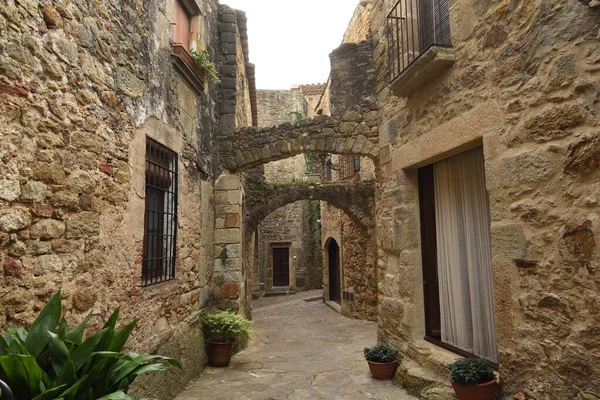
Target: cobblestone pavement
{"points": [[299, 350]]}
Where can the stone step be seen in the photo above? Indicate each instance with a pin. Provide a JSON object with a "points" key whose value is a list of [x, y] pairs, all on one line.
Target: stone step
{"points": [[422, 382], [279, 291]]}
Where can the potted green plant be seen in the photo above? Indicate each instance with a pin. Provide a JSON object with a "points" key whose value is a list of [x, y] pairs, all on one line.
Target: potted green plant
{"points": [[472, 379], [222, 330], [202, 58], [383, 361]]}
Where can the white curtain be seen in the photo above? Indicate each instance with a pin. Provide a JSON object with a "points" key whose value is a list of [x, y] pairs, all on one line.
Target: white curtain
{"points": [[464, 254]]}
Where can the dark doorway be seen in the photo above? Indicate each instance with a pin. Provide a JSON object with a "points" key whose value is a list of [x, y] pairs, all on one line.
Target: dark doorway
{"points": [[334, 271], [281, 266]]}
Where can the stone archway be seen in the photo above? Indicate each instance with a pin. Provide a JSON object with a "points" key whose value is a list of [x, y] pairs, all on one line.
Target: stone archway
{"points": [[354, 133], [354, 198]]}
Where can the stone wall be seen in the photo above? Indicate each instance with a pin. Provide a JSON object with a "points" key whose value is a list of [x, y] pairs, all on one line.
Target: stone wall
{"points": [[278, 106], [524, 85], [82, 84], [358, 258], [282, 228], [312, 94]]}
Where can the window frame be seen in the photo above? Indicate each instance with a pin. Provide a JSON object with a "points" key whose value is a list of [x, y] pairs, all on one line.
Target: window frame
{"points": [[178, 4], [161, 179], [426, 190]]}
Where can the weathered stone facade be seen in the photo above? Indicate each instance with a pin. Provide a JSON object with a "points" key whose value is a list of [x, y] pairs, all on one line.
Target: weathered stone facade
{"points": [[82, 85], [523, 86], [358, 263], [278, 106]]}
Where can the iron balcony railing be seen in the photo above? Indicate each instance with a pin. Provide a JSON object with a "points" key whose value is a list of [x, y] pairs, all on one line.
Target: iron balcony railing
{"points": [[414, 26]]}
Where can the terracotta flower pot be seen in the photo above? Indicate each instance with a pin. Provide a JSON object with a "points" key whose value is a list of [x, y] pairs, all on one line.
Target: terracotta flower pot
{"points": [[383, 371], [219, 354], [483, 391]]}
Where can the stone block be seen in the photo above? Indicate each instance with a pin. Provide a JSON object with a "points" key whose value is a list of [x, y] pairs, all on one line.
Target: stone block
{"points": [[227, 27], [228, 236], [33, 192], [230, 291], [47, 229], [37, 248], [584, 155], [12, 267], [508, 241], [129, 83], [525, 168], [228, 37], [14, 219], [49, 263], [84, 299], [554, 123], [10, 189], [83, 224], [227, 106], [232, 221]]}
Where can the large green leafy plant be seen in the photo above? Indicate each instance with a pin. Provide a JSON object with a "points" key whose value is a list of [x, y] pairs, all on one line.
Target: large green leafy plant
{"points": [[226, 326], [52, 361], [471, 371]]}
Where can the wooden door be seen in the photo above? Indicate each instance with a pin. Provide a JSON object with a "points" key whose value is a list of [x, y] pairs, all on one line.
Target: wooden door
{"points": [[334, 271], [281, 266]]}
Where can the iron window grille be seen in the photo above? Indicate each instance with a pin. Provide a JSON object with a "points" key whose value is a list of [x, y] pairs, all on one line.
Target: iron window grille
{"points": [[160, 220], [349, 167], [413, 27]]}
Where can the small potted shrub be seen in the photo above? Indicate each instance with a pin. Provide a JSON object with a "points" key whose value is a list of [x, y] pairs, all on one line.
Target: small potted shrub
{"points": [[383, 361], [222, 330], [472, 379]]}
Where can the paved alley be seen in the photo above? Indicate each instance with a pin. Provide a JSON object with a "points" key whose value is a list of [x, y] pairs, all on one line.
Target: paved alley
{"points": [[300, 350]]}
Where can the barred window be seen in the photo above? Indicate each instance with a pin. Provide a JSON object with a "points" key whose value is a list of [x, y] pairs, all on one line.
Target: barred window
{"points": [[349, 166], [160, 221]]}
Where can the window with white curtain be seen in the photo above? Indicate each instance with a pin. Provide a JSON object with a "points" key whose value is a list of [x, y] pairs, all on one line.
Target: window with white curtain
{"points": [[455, 233]]}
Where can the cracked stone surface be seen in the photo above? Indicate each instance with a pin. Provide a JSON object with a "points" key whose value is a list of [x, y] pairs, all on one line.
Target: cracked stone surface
{"points": [[300, 350]]}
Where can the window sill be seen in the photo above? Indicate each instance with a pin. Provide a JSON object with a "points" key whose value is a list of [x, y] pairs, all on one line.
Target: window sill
{"points": [[185, 64], [456, 350], [423, 70]]}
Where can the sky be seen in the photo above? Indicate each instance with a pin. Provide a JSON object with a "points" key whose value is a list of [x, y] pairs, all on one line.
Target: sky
{"points": [[290, 40]]}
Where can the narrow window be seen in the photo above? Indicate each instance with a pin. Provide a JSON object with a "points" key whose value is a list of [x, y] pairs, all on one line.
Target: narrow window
{"points": [[356, 164], [182, 31], [160, 221], [456, 250]]}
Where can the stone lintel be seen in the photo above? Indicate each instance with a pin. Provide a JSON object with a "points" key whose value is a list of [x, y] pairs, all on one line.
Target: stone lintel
{"points": [[453, 137], [423, 70]]}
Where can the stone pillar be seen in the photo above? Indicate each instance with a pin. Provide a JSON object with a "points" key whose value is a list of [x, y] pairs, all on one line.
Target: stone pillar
{"points": [[353, 79], [228, 68], [228, 275]]}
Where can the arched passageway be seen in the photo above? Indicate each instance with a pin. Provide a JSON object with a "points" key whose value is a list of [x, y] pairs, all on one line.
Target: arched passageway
{"points": [[354, 198], [354, 133]]}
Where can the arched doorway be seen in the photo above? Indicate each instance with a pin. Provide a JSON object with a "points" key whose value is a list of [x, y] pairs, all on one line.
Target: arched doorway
{"points": [[333, 250]]}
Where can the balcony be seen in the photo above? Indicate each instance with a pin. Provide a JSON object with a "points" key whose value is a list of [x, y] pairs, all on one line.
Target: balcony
{"points": [[185, 64], [419, 44]]}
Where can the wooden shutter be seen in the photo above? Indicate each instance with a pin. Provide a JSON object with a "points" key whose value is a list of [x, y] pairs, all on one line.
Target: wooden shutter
{"points": [[182, 30]]}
